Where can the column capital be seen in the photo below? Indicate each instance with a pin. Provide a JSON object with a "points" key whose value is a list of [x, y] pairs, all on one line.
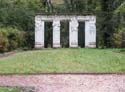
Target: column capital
{"points": [[74, 24], [56, 23], [92, 19]]}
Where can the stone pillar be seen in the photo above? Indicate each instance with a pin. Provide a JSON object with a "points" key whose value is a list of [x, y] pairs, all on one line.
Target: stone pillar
{"points": [[39, 33], [73, 33], [56, 33], [90, 33]]}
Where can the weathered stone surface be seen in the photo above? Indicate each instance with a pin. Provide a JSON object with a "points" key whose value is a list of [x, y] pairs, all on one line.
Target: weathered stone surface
{"points": [[90, 34], [73, 33], [56, 33], [65, 17], [90, 30], [39, 33]]}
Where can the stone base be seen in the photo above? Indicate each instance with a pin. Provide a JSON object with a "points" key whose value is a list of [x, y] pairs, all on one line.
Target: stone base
{"points": [[74, 46], [57, 46], [92, 46], [39, 47]]}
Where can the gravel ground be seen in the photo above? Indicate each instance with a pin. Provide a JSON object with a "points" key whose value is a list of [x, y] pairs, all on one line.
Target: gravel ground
{"points": [[67, 82]]}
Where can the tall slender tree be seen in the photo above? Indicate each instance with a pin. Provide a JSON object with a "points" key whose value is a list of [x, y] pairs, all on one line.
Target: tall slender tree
{"points": [[48, 5]]}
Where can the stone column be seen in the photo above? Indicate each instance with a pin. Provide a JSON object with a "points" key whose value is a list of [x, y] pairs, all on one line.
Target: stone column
{"points": [[56, 33], [39, 33], [90, 33], [73, 33]]}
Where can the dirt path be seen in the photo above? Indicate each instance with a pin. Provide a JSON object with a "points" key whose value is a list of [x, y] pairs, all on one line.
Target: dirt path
{"points": [[8, 54], [67, 82]]}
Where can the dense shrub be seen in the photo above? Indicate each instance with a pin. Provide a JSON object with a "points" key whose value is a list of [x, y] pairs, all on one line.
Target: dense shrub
{"points": [[118, 40], [29, 40], [13, 38], [4, 43]]}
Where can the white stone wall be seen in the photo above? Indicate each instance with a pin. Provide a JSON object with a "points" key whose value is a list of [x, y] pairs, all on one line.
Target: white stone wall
{"points": [[90, 30]]}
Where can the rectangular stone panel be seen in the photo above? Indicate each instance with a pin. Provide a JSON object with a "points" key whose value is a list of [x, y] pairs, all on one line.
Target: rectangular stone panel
{"points": [[39, 33], [90, 34], [73, 33], [56, 34]]}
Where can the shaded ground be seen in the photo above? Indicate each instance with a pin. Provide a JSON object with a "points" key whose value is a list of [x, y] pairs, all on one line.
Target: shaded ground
{"points": [[9, 54], [64, 61], [67, 82]]}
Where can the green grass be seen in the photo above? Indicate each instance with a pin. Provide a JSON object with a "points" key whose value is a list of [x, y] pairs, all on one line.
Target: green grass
{"points": [[65, 61], [6, 89]]}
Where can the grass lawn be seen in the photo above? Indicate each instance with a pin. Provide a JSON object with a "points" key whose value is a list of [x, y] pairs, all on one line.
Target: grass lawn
{"points": [[65, 61], [6, 89]]}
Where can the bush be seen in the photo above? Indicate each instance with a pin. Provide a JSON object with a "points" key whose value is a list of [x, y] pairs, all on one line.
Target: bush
{"points": [[29, 40], [4, 43], [11, 38], [118, 38]]}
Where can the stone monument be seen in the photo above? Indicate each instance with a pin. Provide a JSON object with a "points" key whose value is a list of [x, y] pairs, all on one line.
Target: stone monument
{"points": [[90, 29]]}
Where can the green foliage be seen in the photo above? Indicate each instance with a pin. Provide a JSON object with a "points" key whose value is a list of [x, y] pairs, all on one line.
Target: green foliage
{"points": [[121, 8], [4, 43], [109, 21], [80, 6], [13, 38], [118, 38], [29, 40], [10, 39], [19, 13]]}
